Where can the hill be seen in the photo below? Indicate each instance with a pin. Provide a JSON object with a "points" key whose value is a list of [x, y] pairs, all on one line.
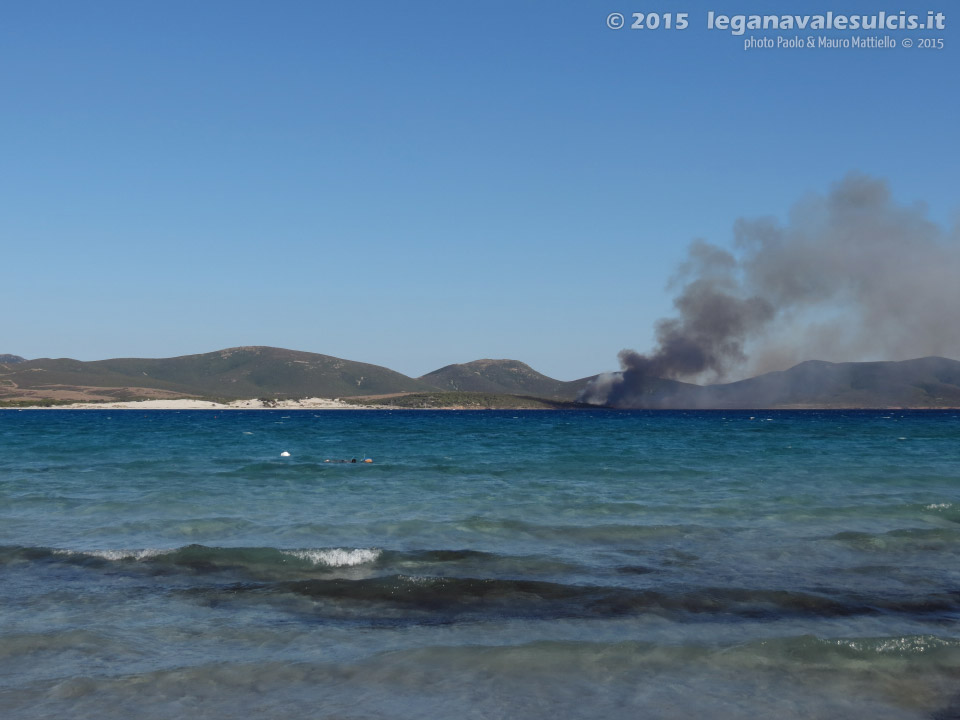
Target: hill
{"points": [[922, 383], [241, 372], [267, 372], [502, 377]]}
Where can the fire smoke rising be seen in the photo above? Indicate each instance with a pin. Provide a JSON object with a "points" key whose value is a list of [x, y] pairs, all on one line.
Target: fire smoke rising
{"points": [[851, 276]]}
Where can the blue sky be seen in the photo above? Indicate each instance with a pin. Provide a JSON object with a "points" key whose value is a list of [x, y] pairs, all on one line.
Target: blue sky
{"points": [[420, 183]]}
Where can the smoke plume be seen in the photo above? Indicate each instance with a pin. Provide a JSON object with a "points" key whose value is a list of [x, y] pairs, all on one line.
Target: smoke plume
{"points": [[851, 276]]}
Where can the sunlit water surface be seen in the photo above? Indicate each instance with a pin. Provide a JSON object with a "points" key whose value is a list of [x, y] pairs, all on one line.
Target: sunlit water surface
{"points": [[485, 565]]}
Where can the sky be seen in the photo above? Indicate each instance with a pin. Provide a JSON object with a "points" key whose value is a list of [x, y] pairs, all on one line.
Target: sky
{"points": [[414, 184]]}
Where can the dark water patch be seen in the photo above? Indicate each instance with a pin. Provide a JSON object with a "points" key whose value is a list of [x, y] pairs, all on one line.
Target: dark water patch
{"points": [[474, 563], [444, 555], [403, 599], [635, 570], [679, 558], [19, 555]]}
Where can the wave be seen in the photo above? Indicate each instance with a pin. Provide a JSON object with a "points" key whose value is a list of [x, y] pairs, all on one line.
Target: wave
{"points": [[114, 555], [257, 563], [197, 554], [278, 564], [373, 585], [401, 599], [336, 557]]}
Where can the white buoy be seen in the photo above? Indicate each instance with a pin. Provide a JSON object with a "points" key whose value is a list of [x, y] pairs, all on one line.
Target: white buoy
{"points": [[284, 454]]}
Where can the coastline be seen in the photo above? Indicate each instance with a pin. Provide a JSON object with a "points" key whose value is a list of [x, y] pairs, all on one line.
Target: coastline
{"points": [[318, 403], [192, 404]]}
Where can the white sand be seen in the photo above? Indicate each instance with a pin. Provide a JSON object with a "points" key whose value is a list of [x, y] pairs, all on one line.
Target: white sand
{"points": [[304, 404]]}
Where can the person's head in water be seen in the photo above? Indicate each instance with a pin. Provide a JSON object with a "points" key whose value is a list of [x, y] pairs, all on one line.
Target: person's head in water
{"points": [[353, 460]]}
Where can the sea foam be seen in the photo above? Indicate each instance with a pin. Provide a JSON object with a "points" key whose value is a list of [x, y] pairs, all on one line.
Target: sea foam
{"points": [[144, 554], [337, 557]]}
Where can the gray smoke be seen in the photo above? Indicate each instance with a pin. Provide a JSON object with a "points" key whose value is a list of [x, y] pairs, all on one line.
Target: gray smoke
{"points": [[851, 276]]}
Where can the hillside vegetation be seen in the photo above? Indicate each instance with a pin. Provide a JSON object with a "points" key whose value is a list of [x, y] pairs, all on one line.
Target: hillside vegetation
{"points": [[503, 376], [267, 372], [242, 372]]}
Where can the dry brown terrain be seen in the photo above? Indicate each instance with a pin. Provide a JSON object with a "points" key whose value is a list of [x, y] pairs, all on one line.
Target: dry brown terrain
{"points": [[81, 393]]}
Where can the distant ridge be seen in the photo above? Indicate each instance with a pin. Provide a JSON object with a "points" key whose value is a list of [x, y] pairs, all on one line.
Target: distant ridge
{"points": [[502, 376], [928, 382], [276, 373]]}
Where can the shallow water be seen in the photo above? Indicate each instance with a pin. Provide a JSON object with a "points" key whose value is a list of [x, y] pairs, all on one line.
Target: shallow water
{"points": [[486, 564]]}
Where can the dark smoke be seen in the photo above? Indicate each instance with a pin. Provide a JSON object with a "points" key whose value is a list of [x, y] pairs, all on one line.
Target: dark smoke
{"points": [[851, 276]]}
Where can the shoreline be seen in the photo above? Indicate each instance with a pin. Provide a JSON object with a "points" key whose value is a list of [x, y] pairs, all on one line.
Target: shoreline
{"points": [[338, 404], [192, 404]]}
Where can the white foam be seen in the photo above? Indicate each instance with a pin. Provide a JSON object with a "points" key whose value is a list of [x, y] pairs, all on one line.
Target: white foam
{"points": [[144, 554], [337, 557], [939, 506]]}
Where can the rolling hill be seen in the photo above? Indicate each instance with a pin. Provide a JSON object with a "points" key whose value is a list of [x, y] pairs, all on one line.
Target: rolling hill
{"points": [[503, 376], [241, 372], [267, 372]]}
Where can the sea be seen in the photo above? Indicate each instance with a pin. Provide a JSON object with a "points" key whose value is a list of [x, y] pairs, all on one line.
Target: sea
{"points": [[485, 564]]}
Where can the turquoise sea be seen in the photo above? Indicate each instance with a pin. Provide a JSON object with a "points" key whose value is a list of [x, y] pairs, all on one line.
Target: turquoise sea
{"points": [[572, 564]]}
